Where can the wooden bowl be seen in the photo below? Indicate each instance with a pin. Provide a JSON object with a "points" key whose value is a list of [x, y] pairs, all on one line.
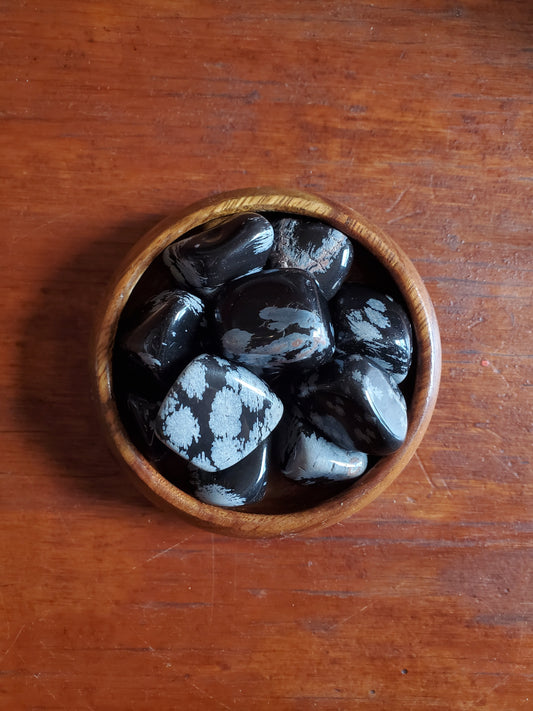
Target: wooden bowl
{"points": [[289, 507]]}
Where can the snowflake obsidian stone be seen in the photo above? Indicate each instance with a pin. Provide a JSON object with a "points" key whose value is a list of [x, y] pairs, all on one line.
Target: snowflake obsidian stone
{"points": [[314, 247], [243, 483], [217, 413], [274, 320], [266, 300], [371, 324], [236, 246], [307, 456], [356, 405], [164, 339]]}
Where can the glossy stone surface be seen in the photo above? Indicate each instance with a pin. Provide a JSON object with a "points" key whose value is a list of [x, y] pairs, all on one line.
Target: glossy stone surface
{"points": [[241, 484], [142, 414], [235, 247], [319, 249], [356, 405], [308, 457], [274, 320], [166, 337], [216, 413], [370, 323]]}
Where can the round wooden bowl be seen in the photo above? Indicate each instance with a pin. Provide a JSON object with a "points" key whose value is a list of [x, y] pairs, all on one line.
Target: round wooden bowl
{"points": [[290, 507]]}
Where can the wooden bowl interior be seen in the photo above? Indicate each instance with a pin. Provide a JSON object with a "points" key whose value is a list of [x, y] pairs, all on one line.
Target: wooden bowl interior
{"points": [[287, 507]]}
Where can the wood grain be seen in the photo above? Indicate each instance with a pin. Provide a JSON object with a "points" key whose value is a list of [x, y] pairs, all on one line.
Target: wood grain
{"points": [[418, 115]]}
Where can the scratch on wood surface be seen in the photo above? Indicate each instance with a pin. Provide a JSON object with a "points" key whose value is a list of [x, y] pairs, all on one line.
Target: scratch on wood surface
{"points": [[13, 642], [41, 683], [404, 217], [234, 576], [425, 471], [6, 616], [322, 627], [331, 593], [475, 323], [485, 427], [486, 694], [445, 485], [219, 703], [167, 550], [397, 201], [51, 221], [442, 482], [343, 621], [497, 371], [49, 692], [432, 190], [212, 579]]}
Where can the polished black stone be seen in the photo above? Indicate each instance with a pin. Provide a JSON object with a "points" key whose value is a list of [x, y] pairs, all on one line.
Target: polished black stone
{"points": [[274, 320], [237, 246], [370, 323], [216, 413], [165, 338], [356, 405], [318, 249], [241, 484], [308, 457], [142, 413]]}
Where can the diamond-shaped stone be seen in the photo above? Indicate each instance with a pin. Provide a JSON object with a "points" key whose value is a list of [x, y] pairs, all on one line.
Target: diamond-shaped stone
{"points": [[217, 413]]}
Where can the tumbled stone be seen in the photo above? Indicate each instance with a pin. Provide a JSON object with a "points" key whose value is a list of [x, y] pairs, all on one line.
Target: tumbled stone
{"points": [[356, 405], [241, 484], [142, 414], [273, 320], [315, 247], [216, 413], [372, 324], [308, 457], [165, 339], [235, 247]]}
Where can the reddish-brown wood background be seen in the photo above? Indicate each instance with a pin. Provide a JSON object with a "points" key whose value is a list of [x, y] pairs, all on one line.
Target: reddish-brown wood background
{"points": [[417, 114]]}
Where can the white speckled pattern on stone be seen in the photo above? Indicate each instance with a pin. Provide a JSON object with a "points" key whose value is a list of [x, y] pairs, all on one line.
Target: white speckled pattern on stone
{"points": [[363, 330], [180, 426], [235, 412], [194, 380], [242, 483], [311, 457], [314, 247], [312, 338], [235, 247], [165, 338], [356, 405], [375, 326], [218, 495], [376, 317], [273, 320]]}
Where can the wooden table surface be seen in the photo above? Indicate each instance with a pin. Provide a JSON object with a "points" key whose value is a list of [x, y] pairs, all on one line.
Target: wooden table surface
{"points": [[417, 114]]}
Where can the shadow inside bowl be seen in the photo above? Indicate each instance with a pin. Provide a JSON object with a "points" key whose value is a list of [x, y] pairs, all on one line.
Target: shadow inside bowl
{"points": [[283, 495]]}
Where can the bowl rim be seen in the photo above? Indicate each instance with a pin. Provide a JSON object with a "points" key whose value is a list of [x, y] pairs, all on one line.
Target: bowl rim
{"points": [[425, 329]]}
